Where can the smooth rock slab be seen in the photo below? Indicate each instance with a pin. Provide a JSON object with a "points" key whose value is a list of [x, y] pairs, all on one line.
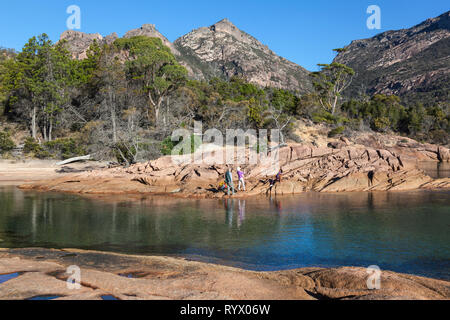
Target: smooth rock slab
{"points": [[172, 278]]}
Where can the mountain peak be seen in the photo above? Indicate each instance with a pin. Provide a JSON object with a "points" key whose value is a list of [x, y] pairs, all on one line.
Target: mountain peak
{"points": [[223, 50], [226, 26], [226, 22]]}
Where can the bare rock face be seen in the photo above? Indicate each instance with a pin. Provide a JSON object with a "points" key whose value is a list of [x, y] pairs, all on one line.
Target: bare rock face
{"points": [[222, 50], [347, 168], [411, 63], [127, 277], [410, 150], [78, 43]]}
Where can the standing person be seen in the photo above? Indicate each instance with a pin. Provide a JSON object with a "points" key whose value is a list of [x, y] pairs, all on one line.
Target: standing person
{"points": [[241, 179], [229, 181], [277, 179]]}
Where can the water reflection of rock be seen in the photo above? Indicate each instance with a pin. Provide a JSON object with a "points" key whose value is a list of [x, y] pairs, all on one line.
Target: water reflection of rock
{"points": [[436, 170]]}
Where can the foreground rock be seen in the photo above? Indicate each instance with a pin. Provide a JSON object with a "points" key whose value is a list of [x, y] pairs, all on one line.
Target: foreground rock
{"points": [[343, 166], [42, 273]]}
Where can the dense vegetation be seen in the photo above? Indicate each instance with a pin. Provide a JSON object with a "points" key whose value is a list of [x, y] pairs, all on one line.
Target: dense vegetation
{"points": [[125, 100]]}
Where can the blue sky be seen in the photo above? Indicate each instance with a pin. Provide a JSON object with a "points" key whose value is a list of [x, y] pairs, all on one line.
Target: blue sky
{"points": [[303, 31]]}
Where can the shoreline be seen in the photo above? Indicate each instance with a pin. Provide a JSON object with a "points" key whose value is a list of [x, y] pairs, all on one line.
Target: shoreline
{"points": [[17, 172], [42, 272], [45, 176], [343, 167]]}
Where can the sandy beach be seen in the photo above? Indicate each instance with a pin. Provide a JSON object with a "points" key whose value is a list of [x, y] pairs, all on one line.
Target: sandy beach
{"points": [[17, 172]]}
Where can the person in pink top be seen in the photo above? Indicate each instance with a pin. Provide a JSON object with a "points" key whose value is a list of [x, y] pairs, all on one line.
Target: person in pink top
{"points": [[241, 179]]}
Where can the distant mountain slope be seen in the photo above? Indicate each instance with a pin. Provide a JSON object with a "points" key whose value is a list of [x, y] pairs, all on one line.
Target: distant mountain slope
{"points": [[411, 63], [223, 50]]}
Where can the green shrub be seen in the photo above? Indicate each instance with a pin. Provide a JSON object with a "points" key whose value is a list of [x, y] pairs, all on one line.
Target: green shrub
{"points": [[326, 117], [6, 143], [124, 154], [31, 146], [336, 131], [381, 124], [64, 148], [167, 145]]}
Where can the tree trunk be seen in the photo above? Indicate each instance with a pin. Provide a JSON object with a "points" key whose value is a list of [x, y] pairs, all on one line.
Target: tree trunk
{"points": [[157, 107], [333, 110], [33, 123], [44, 129], [88, 157], [157, 114], [113, 114], [50, 129]]}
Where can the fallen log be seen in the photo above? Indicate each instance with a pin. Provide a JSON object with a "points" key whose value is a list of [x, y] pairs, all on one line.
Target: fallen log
{"points": [[88, 157]]}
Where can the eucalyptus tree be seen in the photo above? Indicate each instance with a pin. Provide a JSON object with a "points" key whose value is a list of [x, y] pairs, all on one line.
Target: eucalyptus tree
{"points": [[330, 82], [153, 65]]}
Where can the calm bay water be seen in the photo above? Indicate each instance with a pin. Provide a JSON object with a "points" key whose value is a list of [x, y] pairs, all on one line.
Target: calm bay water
{"points": [[404, 231]]}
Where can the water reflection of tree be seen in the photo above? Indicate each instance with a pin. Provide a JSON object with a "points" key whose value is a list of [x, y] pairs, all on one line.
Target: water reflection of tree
{"points": [[57, 221], [176, 226]]}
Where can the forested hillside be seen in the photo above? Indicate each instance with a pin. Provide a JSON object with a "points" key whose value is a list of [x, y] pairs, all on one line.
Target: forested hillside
{"points": [[124, 100]]}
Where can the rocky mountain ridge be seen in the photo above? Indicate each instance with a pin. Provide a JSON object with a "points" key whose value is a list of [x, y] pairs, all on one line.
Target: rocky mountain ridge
{"points": [[221, 50], [412, 63]]}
